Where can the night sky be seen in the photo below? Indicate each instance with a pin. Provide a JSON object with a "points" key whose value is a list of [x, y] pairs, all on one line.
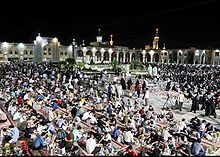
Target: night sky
{"points": [[182, 24]]}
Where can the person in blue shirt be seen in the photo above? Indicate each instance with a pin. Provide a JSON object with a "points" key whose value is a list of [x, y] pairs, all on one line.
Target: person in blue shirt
{"points": [[107, 150], [39, 142], [116, 133], [51, 128], [197, 149], [14, 133], [55, 105]]}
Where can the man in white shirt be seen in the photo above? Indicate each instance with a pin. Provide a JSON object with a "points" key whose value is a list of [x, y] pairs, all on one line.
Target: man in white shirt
{"points": [[128, 137], [182, 125], [119, 90], [90, 144], [93, 119], [86, 115], [181, 100], [165, 134], [146, 96]]}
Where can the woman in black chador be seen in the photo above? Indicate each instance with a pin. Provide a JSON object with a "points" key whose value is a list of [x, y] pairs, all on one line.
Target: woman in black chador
{"points": [[210, 108], [195, 103], [123, 84], [129, 83]]}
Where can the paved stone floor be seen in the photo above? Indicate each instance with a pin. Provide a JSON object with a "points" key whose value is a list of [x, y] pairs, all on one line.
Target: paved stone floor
{"points": [[158, 102]]}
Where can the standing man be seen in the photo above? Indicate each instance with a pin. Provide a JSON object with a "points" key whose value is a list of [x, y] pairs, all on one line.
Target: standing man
{"points": [[146, 96], [138, 89], [181, 100]]}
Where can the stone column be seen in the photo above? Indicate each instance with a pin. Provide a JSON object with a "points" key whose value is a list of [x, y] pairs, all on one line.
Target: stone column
{"points": [[130, 57], [117, 56], [123, 57], [151, 58], [144, 58], [110, 57], [102, 56]]}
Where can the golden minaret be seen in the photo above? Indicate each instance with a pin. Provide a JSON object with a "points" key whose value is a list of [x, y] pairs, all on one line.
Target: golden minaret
{"points": [[156, 41], [111, 41]]}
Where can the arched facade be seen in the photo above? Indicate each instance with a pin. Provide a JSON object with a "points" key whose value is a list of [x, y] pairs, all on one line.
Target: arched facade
{"points": [[102, 52]]}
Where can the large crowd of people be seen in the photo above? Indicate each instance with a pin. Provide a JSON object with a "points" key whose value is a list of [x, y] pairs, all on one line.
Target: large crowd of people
{"points": [[53, 112]]}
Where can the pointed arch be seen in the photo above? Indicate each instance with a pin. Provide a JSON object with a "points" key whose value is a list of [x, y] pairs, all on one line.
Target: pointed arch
{"points": [[113, 56], [106, 56], [156, 57], [89, 53], [133, 57], [121, 57], [79, 53], [127, 57], [147, 57], [98, 56]]}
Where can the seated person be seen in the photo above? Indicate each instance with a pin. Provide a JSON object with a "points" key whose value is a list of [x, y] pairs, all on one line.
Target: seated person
{"points": [[169, 115], [39, 142], [132, 151], [197, 148], [107, 149], [3, 117]]}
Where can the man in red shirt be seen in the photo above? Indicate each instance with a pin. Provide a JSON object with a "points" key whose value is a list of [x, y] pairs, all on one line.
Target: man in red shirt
{"points": [[132, 151], [141, 111], [19, 100]]}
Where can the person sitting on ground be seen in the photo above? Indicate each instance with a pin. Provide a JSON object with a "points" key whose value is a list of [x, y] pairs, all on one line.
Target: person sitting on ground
{"points": [[39, 142], [3, 117], [128, 136], [197, 148], [170, 115], [132, 151], [91, 143]]}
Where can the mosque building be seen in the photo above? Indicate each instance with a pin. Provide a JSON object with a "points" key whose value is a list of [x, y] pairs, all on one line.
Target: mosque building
{"points": [[50, 49]]}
